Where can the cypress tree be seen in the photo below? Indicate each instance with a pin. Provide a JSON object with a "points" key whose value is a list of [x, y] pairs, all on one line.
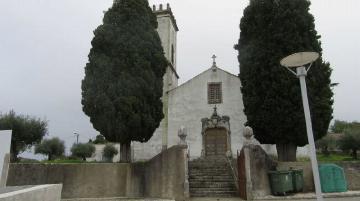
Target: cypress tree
{"points": [[122, 88], [271, 30]]}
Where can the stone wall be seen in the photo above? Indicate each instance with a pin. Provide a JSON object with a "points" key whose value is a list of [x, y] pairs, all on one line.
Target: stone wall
{"points": [[5, 139], [165, 174], [254, 171], [351, 169], [161, 177]]}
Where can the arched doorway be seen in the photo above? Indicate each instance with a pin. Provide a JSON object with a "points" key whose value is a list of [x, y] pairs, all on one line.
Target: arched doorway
{"points": [[215, 142], [216, 135]]}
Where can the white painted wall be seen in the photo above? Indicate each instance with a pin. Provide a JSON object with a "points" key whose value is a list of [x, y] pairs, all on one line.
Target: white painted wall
{"points": [[98, 154], [188, 104], [5, 142]]}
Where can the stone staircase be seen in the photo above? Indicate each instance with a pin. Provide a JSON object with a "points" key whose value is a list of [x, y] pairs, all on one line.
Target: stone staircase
{"points": [[211, 177]]}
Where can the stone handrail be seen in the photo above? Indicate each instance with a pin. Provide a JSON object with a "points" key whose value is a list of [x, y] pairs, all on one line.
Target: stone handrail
{"points": [[234, 173]]}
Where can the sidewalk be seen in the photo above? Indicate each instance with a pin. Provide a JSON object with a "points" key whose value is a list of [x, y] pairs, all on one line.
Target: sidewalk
{"points": [[312, 196], [347, 196]]}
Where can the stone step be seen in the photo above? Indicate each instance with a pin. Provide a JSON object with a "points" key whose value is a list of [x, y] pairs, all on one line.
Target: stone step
{"points": [[207, 164], [205, 173], [228, 189], [214, 194], [203, 167], [211, 177], [207, 184]]}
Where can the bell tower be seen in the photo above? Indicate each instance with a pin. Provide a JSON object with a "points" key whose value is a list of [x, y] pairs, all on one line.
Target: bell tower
{"points": [[167, 29]]}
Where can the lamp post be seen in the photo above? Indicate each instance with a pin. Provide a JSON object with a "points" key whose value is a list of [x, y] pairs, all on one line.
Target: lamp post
{"points": [[298, 61], [77, 137]]}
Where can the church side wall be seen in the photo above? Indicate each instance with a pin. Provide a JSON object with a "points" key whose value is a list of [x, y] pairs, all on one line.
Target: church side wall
{"points": [[188, 104]]}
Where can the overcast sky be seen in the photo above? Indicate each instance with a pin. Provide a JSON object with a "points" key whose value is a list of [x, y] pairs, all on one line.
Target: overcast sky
{"points": [[44, 46]]}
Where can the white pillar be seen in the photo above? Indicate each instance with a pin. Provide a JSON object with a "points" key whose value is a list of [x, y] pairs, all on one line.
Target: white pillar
{"points": [[301, 73]]}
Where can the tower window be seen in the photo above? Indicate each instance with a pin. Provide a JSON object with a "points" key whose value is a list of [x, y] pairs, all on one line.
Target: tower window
{"points": [[214, 93], [172, 54]]}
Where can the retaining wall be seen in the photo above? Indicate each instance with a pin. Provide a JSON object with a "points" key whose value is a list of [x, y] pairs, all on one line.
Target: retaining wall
{"points": [[161, 177]]}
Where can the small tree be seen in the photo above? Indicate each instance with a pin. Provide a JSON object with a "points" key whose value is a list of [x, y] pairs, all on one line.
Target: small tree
{"points": [[326, 144], [51, 147], [341, 126], [83, 150], [109, 152], [351, 141], [26, 131]]}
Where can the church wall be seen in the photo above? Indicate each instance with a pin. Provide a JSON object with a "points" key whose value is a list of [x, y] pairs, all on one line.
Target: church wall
{"points": [[188, 104]]}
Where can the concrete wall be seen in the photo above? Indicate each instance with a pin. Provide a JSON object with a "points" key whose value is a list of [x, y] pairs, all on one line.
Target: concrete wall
{"points": [[165, 174], [257, 165], [352, 172], [79, 180], [36, 193], [161, 177], [5, 139]]}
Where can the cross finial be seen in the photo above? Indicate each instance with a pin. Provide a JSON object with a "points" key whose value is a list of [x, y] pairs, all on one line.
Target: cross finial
{"points": [[214, 59], [215, 110]]}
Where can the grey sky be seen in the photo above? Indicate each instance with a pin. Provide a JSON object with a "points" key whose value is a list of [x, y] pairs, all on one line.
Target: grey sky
{"points": [[44, 46]]}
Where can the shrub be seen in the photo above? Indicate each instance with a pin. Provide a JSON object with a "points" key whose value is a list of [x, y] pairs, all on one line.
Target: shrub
{"points": [[109, 152], [83, 150]]}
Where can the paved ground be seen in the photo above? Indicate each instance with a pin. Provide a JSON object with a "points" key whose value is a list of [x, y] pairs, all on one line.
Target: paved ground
{"points": [[215, 199], [238, 199]]}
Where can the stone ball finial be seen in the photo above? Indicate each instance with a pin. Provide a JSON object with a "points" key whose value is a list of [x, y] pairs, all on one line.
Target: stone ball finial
{"points": [[182, 133], [248, 132]]}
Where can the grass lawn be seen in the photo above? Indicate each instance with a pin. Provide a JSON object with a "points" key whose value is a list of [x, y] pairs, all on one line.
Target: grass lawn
{"points": [[335, 157], [64, 161]]}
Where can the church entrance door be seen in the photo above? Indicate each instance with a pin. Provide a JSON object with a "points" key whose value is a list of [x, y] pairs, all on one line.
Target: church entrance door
{"points": [[215, 142]]}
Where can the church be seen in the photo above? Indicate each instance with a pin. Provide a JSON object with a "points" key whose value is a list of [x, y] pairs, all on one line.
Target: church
{"points": [[209, 106]]}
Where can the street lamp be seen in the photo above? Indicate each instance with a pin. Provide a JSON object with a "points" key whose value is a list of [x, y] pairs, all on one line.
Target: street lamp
{"points": [[296, 63], [77, 137]]}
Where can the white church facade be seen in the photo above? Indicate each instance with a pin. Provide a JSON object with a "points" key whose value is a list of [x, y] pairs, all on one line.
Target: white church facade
{"points": [[191, 105], [209, 107]]}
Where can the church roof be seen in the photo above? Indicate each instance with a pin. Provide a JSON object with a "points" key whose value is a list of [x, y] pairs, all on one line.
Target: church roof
{"points": [[214, 67]]}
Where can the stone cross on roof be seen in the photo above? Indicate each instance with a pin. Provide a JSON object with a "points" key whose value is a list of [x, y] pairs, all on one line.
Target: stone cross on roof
{"points": [[214, 60]]}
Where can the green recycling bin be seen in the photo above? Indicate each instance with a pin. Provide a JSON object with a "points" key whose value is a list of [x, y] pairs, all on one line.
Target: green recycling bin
{"points": [[332, 178], [281, 182], [298, 180]]}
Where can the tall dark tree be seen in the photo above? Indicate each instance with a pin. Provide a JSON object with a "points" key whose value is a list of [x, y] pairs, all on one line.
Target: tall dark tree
{"points": [[123, 84], [26, 131], [271, 30]]}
